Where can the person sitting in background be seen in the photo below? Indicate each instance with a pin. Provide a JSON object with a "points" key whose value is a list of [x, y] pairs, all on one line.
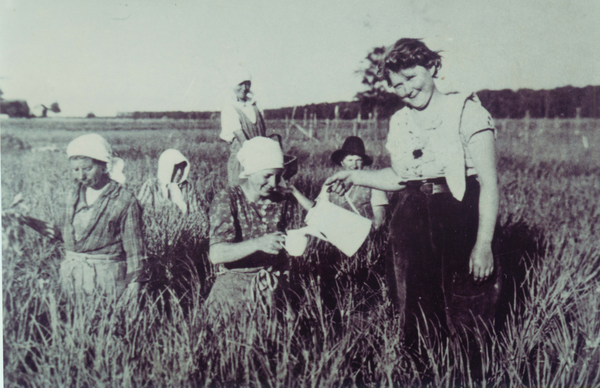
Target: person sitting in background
{"points": [[103, 226], [241, 120], [171, 186], [369, 203], [247, 226]]}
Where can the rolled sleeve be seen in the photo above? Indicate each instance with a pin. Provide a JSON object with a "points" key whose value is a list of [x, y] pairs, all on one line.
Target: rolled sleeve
{"points": [[379, 198], [133, 239], [475, 118]]}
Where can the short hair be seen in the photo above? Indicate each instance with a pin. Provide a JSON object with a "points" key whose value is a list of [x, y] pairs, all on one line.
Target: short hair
{"points": [[406, 53]]}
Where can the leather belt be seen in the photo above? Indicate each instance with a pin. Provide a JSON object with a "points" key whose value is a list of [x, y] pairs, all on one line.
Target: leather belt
{"points": [[430, 187]]}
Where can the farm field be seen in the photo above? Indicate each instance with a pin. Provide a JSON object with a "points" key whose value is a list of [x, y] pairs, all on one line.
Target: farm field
{"points": [[548, 241]]}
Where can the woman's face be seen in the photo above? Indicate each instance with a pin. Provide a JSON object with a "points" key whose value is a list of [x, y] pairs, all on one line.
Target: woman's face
{"points": [[414, 85], [178, 170], [352, 162], [242, 90], [265, 182], [88, 172]]}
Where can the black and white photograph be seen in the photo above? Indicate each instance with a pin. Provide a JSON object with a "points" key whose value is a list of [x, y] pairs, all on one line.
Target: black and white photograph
{"points": [[265, 193]]}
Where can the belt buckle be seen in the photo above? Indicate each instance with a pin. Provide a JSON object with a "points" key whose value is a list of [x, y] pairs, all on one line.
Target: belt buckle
{"points": [[427, 188]]}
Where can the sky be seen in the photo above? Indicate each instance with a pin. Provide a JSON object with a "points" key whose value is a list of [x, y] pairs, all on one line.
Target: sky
{"points": [[106, 56]]}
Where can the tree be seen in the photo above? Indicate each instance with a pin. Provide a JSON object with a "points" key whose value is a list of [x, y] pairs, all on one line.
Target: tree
{"points": [[54, 108], [376, 98]]}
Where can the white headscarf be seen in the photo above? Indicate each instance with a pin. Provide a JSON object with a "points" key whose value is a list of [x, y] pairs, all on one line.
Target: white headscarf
{"points": [[259, 153], [96, 147], [236, 75], [166, 164]]}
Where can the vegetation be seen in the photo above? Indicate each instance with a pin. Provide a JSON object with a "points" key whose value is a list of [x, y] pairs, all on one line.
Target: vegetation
{"points": [[343, 334]]}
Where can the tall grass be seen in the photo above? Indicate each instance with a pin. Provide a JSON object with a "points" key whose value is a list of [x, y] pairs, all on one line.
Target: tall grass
{"points": [[343, 333]]}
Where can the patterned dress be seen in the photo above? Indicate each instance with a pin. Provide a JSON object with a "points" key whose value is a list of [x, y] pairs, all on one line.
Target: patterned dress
{"points": [[103, 241], [250, 282]]}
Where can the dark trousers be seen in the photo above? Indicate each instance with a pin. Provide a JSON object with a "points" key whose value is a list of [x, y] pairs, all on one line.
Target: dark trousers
{"points": [[427, 266]]}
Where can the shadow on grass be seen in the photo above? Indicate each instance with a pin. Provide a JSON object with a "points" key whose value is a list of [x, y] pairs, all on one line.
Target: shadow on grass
{"points": [[516, 245]]}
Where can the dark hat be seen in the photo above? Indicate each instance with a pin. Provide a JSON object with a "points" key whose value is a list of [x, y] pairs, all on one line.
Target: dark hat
{"points": [[353, 145]]}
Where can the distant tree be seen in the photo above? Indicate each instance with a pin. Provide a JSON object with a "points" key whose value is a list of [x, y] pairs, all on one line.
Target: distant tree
{"points": [[54, 108], [376, 98], [91, 115]]}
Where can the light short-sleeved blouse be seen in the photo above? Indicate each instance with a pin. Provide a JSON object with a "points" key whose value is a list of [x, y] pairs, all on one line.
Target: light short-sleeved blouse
{"points": [[419, 153], [363, 198], [230, 119]]}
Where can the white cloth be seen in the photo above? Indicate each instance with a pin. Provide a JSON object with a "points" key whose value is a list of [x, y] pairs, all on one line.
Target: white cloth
{"points": [[96, 147], [166, 166], [259, 153], [236, 75], [230, 120]]}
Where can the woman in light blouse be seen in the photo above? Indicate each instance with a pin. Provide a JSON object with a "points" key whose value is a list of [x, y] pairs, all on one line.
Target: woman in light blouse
{"points": [[440, 263]]}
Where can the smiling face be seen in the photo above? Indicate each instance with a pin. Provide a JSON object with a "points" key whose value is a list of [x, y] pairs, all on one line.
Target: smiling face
{"points": [[352, 162], [242, 90], [265, 182], [89, 172], [414, 85]]}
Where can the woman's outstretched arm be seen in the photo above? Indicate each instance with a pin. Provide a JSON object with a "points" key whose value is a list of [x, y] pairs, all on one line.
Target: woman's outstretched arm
{"points": [[385, 180], [481, 148]]}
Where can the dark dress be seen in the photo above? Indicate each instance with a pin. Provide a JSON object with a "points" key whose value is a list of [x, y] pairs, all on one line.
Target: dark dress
{"points": [[252, 282]]}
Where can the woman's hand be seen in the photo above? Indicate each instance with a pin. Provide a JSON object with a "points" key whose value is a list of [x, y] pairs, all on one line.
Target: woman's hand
{"points": [[271, 243], [481, 262], [340, 182]]}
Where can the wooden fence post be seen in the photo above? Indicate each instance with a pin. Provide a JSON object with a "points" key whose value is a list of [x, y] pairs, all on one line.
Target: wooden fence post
{"points": [[578, 121], [527, 121], [355, 127], [304, 121], [327, 128], [336, 116]]}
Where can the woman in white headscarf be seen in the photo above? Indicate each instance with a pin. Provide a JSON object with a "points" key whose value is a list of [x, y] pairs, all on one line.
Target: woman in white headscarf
{"points": [[247, 226], [241, 119], [103, 225], [171, 187]]}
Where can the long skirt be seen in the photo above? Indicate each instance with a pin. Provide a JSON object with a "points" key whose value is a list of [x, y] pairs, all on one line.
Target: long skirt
{"points": [[427, 266]]}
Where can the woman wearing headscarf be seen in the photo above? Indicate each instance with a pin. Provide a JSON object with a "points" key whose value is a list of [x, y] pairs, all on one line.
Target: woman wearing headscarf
{"points": [[247, 226], [442, 151], [171, 186], [103, 225], [241, 119]]}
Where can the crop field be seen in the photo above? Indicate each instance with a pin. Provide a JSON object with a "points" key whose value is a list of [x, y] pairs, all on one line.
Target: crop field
{"points": [[547, 330]]}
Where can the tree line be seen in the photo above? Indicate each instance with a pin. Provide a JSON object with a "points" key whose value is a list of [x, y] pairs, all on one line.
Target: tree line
{"points": [[560, 102]]}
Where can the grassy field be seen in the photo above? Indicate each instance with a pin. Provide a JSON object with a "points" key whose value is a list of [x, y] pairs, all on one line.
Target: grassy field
{"points": [[548, 240]]}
